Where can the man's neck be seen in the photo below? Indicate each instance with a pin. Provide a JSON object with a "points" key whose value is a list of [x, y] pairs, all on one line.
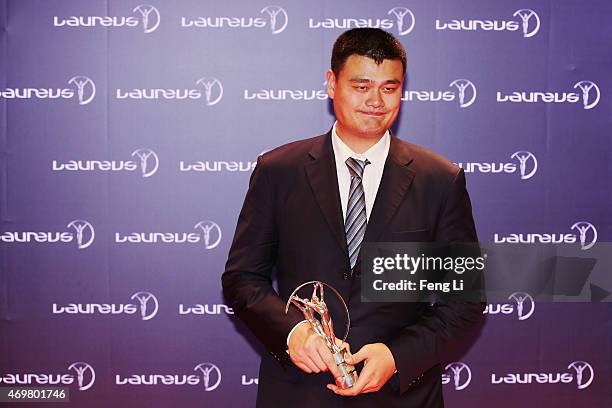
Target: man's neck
{"points": [[359, 144]]}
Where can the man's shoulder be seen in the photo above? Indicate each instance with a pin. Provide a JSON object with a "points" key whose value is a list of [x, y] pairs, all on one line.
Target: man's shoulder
{"points": [[426, 161], [292, 154]]}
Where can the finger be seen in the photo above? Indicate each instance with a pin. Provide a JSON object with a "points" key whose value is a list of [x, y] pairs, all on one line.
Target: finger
{"points": [[346, 351], [359, 356], [316, 364], [303, 367], [311, 355], [370, 390], [347, 347], [321, 355], [304, 361], [343, 345], [362, 382], [374, 381], [319, 362], [366, 382], [349, 354], [373, 386], [348, 392], [330, 362]]}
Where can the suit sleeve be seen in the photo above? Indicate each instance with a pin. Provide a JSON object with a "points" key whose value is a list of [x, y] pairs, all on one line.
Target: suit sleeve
{"points": [[447, 328], [247, 281]]}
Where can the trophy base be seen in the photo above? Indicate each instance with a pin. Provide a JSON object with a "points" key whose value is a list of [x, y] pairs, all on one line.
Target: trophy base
{"points": [[349, 374]]}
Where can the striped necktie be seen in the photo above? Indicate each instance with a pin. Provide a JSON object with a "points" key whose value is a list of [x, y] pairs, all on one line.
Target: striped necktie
{"points": [[356, 217]]}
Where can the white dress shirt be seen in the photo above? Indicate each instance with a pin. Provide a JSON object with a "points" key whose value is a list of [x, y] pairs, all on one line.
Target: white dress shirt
{"points": [[372, 174]]}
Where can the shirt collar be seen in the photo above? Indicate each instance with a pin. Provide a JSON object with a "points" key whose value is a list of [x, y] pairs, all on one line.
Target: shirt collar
{"points": [[375, 154]]}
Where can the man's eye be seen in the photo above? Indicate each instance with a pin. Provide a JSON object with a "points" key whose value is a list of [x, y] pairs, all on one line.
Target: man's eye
{"points": [[361, 88], [389, 89]]}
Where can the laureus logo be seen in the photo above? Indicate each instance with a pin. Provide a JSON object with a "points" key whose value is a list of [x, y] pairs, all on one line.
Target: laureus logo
{"points": [[525, 306], [217, 166], [211, 233], [530, 21], [271, 16], [150, 17], [404, 19], [80, 86], [586, 233], [584, 376], [211, 375], [583, 379], [524, 311], [287, 94], [589, 95], [460, 375], [207, 375], [146, 15], [148, 304], [462, 90], [213, 90], [207, 88], [149, 162], [400, 17], [85, 87], [278, 18], [589, 101], [85, 374], [205, 309], [528, 164], [465, 87], [207, 235], [85, 233], [587, 236]]}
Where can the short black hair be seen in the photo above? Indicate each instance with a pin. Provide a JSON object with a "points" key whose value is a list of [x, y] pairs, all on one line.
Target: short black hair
{"points": [[373, 43]]}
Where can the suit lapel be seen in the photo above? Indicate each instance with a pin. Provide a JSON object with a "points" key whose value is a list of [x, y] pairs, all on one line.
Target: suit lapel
{"points": [[323, 179], [396, 180], [395, 183]]}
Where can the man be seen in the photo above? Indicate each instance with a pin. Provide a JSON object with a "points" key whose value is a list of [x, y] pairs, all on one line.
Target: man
{"points": [[311, 204]]}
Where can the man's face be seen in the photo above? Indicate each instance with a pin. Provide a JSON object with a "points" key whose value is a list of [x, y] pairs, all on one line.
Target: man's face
{"points": [[366, 96]]}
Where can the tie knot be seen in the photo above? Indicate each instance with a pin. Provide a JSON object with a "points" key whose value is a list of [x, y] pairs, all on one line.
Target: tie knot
{"points": [[356, 166]]}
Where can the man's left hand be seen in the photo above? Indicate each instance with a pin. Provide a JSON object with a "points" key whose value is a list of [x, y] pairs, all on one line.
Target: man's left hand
{"points": [[379, 366]]}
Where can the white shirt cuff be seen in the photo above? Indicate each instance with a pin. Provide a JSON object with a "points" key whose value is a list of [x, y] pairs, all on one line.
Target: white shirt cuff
{"points": [[291, 332]]}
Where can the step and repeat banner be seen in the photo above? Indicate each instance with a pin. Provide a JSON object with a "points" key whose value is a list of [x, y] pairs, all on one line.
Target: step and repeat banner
{"points": [[129, 130]]}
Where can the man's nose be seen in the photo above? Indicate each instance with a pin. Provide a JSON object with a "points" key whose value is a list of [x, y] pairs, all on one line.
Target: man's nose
{"points": [[374, 99]]}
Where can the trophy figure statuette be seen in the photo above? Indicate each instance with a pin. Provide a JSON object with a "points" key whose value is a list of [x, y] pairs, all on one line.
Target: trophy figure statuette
{"points": [[325, 328]]}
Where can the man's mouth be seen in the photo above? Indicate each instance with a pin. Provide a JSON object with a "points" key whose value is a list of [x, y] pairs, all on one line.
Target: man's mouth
{"points": [[373, 113]]}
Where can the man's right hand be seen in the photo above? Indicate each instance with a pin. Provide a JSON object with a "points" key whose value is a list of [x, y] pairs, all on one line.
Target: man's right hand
{"points": [[309, 351]]}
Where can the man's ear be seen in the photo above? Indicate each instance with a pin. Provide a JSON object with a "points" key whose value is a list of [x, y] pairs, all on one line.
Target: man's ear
{"points": [[331, 83]]}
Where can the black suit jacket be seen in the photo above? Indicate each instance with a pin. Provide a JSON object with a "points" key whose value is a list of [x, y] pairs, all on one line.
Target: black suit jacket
{"points": [[292, 220]]}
